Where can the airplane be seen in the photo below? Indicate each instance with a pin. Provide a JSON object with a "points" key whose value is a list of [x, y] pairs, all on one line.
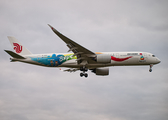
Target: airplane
{"points": [[81, 59]]}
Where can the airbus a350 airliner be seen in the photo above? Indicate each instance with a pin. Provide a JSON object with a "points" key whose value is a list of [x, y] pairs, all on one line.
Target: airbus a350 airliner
{"points": [[81, 59]]}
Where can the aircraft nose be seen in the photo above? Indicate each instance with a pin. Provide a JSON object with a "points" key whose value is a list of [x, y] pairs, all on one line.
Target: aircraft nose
{"points": [[158, 61]]}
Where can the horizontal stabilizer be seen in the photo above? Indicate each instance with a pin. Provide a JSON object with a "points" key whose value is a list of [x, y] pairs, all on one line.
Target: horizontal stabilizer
{"points": [[14, 55], [70, 70]]}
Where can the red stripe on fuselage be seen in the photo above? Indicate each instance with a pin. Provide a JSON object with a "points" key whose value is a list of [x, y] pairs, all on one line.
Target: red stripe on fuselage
{"points": [[120, 59]]}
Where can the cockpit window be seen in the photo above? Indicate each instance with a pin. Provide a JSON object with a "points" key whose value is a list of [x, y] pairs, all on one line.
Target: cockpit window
{"points": [[153, 55]]}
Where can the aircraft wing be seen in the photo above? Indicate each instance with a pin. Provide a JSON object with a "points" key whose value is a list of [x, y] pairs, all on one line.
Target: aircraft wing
{"points": [[84, 56]]}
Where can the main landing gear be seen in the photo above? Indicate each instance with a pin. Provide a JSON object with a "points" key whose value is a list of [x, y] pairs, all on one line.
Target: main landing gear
{"points": [[83, 74], [84, 69], [150, 69]]}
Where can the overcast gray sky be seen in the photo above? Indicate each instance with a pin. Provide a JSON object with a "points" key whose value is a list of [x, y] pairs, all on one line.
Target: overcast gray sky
{"points": [[29, 92]]}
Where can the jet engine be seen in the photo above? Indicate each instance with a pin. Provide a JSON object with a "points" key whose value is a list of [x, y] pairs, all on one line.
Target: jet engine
{"points": [[103, 58], [101, 71]]}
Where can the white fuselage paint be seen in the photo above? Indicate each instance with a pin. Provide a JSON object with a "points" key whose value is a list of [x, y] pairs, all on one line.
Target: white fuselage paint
{"points": [[119, 59]]}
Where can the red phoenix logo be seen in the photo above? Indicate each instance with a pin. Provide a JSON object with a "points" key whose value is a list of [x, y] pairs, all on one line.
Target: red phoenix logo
{"points": [[17, 48]]}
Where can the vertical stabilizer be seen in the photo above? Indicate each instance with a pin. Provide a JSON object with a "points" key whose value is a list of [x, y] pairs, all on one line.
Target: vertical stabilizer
{"points": [[18, 47]]}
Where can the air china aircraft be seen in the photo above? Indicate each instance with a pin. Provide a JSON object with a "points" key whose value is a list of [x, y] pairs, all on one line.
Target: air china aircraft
{"points": [[81, 59]]}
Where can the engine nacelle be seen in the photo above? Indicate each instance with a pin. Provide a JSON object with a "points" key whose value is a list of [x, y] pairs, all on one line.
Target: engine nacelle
{"points": [[101, 71], [103, 58]]}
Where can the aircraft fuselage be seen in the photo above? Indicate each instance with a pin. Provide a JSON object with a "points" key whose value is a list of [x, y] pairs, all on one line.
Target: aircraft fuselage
{"points": [[69, 60]]}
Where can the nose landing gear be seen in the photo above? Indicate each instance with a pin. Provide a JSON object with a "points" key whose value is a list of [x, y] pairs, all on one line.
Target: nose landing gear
{"points": [[150, 69]]}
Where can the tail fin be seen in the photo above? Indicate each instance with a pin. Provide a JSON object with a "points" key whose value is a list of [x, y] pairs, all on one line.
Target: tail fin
{"points": [[18, 47]]}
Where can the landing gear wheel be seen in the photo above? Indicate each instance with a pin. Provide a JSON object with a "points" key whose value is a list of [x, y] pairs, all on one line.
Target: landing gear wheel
{"points": [[81, 74], [150, 70], [86, 75], [86, 69]]}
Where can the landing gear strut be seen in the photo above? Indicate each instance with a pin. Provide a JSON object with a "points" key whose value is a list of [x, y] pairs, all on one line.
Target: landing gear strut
{"points": [[150, 69], [84, 69]]}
